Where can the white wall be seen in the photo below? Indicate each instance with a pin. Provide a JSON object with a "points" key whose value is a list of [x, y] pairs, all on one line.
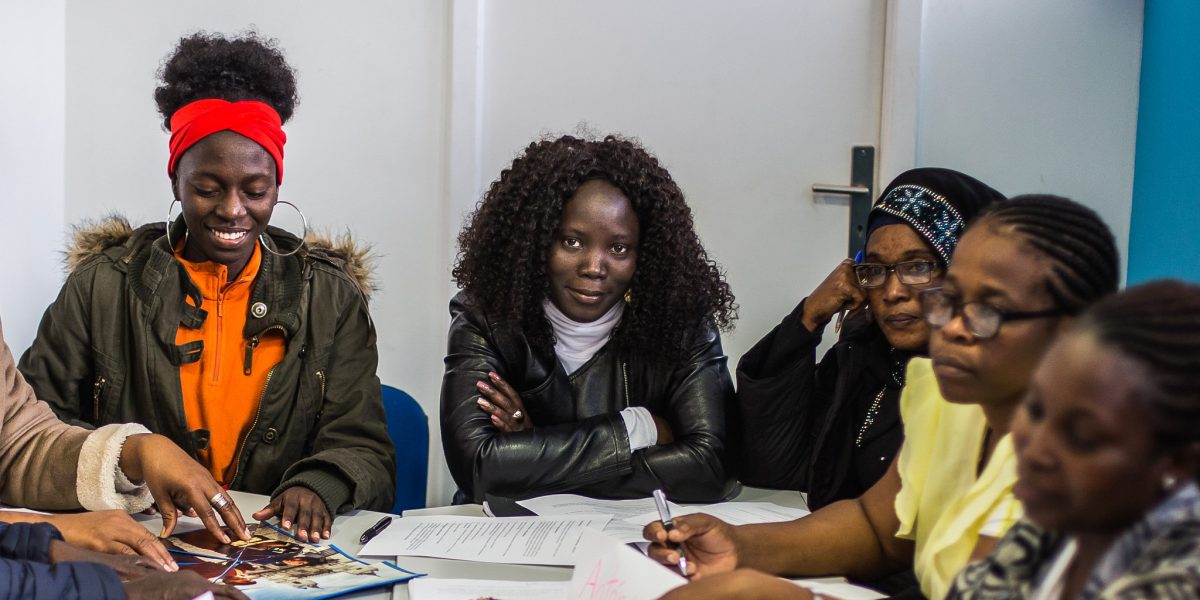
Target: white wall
{"points": [[31, 163], [1033, 96]]}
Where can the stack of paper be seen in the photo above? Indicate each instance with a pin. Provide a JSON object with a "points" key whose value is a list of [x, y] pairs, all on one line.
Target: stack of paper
{"points": [[624, 513], [630, 516], [514, 540]]}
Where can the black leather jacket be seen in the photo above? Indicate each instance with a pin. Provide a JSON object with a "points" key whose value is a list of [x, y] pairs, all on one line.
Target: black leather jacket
{"points": [[579, 442]]}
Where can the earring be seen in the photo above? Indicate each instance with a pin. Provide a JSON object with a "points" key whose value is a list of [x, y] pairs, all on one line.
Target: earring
{"points": [[303, 236], [1168, 482], [168, 222], [628, 296]]}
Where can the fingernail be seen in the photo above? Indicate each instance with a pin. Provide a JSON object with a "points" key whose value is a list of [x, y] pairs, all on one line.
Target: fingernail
{"points": [[326, 534], [495, 419], [287, 524], [483, 386], [303, 533], [494, 376], [484, 403]]}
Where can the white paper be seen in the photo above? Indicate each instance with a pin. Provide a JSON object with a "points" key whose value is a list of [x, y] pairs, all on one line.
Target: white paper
{"points": [[620, 527], [515, 540], [844, 591], [608, 569], [734, 513], [428, 588]]}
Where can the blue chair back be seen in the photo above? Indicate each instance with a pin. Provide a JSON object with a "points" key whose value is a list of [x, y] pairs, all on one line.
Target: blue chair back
{"points": [[408, 427]]}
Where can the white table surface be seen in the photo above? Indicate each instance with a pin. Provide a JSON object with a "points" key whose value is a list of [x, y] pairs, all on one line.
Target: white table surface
{"points": [[348, 527]]}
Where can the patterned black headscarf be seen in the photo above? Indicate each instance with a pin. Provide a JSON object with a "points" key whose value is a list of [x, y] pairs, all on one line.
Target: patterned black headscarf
{"points": [[937, 203]]}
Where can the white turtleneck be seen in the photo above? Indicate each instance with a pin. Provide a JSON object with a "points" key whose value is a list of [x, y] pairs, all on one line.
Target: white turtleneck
{"points": [[576, 343]]}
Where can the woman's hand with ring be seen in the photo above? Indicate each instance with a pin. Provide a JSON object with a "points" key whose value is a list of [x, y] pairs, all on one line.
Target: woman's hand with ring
{"points": [[177, 481], [503, 404]]}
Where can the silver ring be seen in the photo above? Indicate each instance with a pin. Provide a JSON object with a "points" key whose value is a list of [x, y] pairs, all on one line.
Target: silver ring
{"points": [[218, 500], [518, 416]]}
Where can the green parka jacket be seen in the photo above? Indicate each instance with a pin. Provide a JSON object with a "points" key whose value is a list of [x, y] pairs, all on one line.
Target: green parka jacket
{"points": [[105, 353]]}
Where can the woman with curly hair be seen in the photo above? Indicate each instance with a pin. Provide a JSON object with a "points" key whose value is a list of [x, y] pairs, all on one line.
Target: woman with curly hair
{"points": [[249, 347], [583, 349]]}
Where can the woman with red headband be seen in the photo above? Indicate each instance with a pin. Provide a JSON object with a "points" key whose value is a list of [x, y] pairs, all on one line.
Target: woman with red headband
{"points": [[250, 347]]}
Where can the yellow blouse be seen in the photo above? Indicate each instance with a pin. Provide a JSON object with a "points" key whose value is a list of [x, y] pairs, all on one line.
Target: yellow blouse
{"points": [[942, 505]]}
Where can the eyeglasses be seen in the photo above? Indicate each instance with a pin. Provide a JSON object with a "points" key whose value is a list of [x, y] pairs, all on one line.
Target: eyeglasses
{"points": [[981, 320], [912, 272]]}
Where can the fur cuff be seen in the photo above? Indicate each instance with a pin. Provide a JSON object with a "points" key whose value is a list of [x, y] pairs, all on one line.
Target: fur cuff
{"points": [[99, 483]]}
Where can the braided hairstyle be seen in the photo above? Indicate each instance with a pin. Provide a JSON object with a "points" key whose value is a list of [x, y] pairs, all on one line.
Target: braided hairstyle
{"points": [[1157, 324], [1070, 235], [677, 291], [209, 65]]}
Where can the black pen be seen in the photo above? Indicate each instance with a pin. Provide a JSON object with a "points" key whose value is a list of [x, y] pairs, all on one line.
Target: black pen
{"points": [[664, 513], [374, 530]]}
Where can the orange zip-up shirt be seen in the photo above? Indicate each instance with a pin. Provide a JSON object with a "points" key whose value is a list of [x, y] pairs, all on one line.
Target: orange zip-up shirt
{"points": [[219, 393]]}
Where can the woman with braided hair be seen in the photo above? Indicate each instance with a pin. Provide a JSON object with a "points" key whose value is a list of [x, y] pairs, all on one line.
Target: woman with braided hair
{"points": [[1108, 450], [583, 349], [1021, 273], [248, 346]]}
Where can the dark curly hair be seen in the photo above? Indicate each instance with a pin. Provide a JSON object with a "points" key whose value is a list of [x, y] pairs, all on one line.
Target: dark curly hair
{"points": [[677, 292], [209, 65]]}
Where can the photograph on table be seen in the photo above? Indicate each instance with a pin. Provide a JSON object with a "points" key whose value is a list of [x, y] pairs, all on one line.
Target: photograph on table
{"points": [[272, 564]]}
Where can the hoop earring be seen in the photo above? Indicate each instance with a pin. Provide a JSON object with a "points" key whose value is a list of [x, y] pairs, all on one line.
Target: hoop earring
{"points": [[168, 222], [303, 235]]}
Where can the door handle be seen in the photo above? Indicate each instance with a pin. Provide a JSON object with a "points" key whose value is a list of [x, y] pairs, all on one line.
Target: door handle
{"points": [[827, 188], [861, 190]]}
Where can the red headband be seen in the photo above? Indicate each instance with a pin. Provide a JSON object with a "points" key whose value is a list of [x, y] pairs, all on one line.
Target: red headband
{"points": [[250, 118]]}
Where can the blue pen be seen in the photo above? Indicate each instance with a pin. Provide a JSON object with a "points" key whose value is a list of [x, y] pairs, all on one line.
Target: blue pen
{"points": [[837, 327]]}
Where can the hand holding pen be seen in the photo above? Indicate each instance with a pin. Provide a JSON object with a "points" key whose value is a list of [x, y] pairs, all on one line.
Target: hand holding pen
{"points": [[664, 514], [709, 544], [838, 294]]}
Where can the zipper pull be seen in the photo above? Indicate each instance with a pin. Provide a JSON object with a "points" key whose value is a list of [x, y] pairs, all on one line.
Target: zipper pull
{"points": [[249, 362]]}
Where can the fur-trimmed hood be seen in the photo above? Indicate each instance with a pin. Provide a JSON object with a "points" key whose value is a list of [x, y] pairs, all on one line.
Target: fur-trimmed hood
{"points": [[91, 238]]}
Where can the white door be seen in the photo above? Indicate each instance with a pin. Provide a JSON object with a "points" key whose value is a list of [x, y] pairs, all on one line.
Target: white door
{"points": [[748, 104]]}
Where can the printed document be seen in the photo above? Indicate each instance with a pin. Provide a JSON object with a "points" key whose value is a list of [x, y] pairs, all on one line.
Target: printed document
{"points": [[620, 527], [515, 540]]}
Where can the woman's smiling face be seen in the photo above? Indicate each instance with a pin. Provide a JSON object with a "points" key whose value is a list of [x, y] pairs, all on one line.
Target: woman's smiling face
{"points": [[226, 184]]}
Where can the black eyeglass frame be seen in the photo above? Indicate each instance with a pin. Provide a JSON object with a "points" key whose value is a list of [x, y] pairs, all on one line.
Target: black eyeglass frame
{"points": [[1002, 316], [891, 268]]}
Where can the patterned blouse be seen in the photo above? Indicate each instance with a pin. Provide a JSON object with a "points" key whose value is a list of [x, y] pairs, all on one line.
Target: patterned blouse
{"points": [[1158, 557]]}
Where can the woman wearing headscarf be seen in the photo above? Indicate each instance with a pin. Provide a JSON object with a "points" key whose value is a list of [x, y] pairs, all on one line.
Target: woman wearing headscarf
{"points": [[249, 347], [832, 428], [1108, 451]]}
